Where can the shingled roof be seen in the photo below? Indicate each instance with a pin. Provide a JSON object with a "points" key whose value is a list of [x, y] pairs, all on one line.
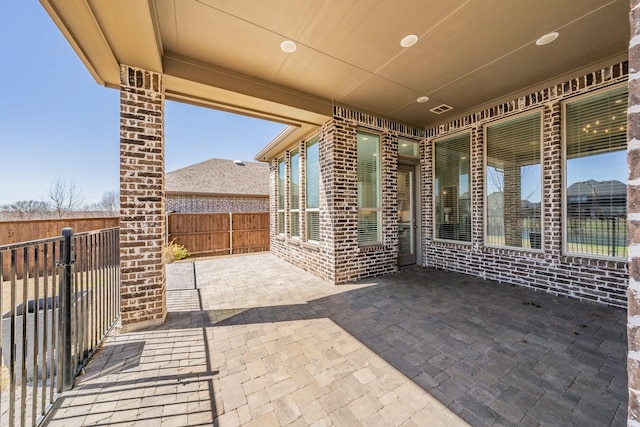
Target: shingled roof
{"points": [[220, 177]]}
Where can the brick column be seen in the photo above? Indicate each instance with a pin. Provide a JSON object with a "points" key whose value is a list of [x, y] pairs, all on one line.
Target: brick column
{"points": [[328, 207], [633, 203], [478, 178], [426, 197], [552, 183], [142, 212]]}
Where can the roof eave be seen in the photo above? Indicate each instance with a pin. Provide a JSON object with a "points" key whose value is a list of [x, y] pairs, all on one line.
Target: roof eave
{"points": [[290, 136]]}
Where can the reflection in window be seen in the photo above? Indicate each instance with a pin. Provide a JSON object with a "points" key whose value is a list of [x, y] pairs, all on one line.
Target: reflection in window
{"points": [[514, 182], [596, 174], [405, 212], [281, 184], [408, 148], [369, 192], [453, 188], [313, 189]]}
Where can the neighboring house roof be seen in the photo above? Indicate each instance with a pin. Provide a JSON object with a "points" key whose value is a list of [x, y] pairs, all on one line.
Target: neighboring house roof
{"points": [[220, 177], [602, 189]]}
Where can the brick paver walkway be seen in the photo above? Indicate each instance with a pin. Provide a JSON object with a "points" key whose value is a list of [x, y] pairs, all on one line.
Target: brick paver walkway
{"points": [[252, 340]]}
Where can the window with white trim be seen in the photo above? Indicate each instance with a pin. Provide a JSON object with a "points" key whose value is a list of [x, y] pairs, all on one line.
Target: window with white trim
{"points": [[595, 189], [513, 182], [294, 193], [312, 170], [281, 196], [452, 188], [369, 191]]}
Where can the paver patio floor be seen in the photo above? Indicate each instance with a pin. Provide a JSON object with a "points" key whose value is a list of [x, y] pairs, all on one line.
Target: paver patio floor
{"points": [[253, 340]]}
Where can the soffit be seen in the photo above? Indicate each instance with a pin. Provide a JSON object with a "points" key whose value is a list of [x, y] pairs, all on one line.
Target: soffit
{"points": [[470, 53], [483, 32], [132, 36], [77, 23], [530, 64]]}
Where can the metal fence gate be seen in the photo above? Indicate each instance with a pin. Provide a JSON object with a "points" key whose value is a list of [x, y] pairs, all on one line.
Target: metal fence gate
{"points": [[59, 300]]}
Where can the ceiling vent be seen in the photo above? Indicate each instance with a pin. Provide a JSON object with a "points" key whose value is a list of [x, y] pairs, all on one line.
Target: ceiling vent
{"points": [[443, 108]]}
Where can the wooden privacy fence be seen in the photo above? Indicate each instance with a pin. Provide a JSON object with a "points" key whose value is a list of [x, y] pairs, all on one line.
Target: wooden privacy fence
{"points": [[206, 234], [27, 230]]}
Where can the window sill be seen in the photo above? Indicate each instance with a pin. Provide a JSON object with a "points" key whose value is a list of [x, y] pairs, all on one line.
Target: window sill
{"points": [[451, 242], [594, 260], [312, 245], [294, 241], [371, 248], [514, 248]]}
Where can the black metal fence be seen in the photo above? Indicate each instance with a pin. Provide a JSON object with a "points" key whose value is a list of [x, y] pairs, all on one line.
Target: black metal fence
{"points": [[597, 235], [59, 300], [529, 233]]}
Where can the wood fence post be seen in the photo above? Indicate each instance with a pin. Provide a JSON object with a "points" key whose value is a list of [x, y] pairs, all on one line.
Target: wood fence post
{"points": [[230, 233]]}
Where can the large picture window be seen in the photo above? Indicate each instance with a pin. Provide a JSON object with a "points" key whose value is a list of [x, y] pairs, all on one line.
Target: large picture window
{"points": [[369, 191], [514, 183], [294, 193], [312, 180], [596, 174], [281, 195], [452, 207]]}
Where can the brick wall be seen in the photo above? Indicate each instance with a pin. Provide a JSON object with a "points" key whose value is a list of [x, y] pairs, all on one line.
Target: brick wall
{"points": [[580, 277], [215, 204], [142, 221], [316, 257], [633, 206], [337, 257]]}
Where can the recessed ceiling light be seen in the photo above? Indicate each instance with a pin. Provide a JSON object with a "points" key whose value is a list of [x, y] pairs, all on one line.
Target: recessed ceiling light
{"points": [[547, 38], [288, 46], [422, 99], [409, 40]]}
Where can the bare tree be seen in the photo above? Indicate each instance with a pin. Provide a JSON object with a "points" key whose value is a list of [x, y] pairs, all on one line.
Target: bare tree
{"points": [[28, 209], [110, 202], [495, 190], [495, 187], [64, 197]]}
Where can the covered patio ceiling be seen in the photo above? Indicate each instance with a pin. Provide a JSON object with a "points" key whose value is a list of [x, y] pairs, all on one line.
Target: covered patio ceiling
{"points": [[226, 54]]}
